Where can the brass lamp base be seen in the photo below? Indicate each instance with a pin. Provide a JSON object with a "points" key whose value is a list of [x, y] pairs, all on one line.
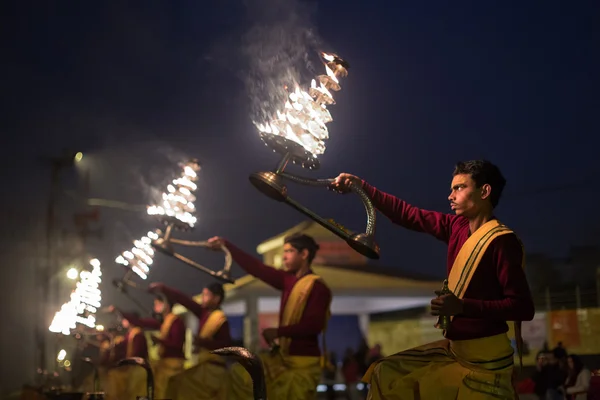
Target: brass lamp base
{"points": [[364, 245], [270, 184]]}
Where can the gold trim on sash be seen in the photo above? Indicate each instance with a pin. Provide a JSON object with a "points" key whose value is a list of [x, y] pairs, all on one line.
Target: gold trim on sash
{"points": [[118, 340], [294, 307], [164, 331], [209, 329], [468, 260], [213, 323], [130, 336], [470, 255]]}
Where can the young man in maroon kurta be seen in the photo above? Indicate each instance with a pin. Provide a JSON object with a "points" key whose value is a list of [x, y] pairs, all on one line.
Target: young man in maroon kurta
{"points": [[170, 341], [135, 340], [298, 341], [208, 378], [130, 381], [496, 293]]}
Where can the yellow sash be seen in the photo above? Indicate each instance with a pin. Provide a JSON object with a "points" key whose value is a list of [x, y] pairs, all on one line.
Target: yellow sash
{"points": [[164, 331], [294, 308], [209, 329], [113, 350], [213, 323], [470, 255], [130, 336], [468, 260]]}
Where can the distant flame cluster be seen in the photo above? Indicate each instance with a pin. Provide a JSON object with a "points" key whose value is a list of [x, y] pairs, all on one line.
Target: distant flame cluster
{"points": [[84, 303], [178, 203], [140, 257], [305, 115]]}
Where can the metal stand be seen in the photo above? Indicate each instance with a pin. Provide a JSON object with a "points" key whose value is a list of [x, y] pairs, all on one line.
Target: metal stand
{"points": [[251, 364], [165, 244], [149, 375], [272, 184]]}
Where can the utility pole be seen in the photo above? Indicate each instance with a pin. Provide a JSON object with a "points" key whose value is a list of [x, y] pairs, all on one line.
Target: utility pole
{"points": [[57, 164]]}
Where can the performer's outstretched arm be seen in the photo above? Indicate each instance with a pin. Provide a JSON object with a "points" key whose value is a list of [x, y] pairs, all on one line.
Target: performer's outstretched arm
{"points": [[145, 323], [315, 314], [401, 213], [257, 268], [517, 304], [178, 297], [221, 339]]}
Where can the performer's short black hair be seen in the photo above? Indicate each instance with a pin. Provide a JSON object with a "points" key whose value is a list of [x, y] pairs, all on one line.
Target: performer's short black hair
{"points": [[483, 172], [217, 289], [300, 242], [161, 297]]}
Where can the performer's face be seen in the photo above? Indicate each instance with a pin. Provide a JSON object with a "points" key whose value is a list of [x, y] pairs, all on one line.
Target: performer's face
{"points": [[293, 259], [466, 198], [209, 299], [125, 323], [159, 306]]}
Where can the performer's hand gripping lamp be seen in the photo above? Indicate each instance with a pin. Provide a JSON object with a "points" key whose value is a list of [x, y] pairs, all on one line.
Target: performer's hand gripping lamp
{"points": [[297, 133]]}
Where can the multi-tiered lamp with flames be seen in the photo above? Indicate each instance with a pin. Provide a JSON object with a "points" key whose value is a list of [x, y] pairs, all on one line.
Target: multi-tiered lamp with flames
{"points": [[178, 212], [84, 303], [298, 133]]}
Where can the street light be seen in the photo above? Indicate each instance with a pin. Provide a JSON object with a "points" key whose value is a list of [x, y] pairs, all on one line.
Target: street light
{"points": [[72, 273]]}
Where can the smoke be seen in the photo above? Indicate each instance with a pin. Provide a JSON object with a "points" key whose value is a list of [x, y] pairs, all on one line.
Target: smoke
{"points": [[279, 49]]}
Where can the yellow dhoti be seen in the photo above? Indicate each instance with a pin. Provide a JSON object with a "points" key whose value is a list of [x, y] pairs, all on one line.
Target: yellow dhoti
{"points": [[207, 380], [446, 370], [126, 383], [290, 377], [116, 384], [163, 370]]}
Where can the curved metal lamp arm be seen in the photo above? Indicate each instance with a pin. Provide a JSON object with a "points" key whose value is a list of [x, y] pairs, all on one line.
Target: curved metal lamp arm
{"points": [[369, 209], [138, 361], [164, 245], [252, 364], [272, 185]]}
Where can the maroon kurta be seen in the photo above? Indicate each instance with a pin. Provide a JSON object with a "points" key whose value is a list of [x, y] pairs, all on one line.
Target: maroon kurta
{"points": [[139, 346], [119, 351], [498, 291], [222, 337], [304, 335], [175, 340]]}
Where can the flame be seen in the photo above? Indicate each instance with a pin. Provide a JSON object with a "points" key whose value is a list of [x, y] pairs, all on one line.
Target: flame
{"points": [[83, 304], [304, 115], [179, 201], [331, 74], [140, 257]]}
